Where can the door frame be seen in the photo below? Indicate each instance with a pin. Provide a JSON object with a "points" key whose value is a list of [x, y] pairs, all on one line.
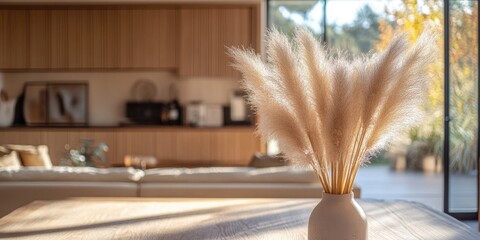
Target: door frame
{"points": [[446, 139]]}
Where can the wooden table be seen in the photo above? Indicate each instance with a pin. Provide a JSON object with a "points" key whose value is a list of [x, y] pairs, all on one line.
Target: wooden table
{"points": [[125, 218]]}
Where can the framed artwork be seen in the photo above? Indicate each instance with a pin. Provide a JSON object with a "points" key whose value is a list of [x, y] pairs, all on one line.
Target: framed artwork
{"points": [[35, 104], [55, 103]]}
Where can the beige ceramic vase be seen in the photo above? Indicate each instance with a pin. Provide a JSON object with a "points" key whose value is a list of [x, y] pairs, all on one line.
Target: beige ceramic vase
{"points": [[337, 217]]}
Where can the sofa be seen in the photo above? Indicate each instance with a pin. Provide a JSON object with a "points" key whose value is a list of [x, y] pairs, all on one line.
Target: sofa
{"points": [[22, 185]]}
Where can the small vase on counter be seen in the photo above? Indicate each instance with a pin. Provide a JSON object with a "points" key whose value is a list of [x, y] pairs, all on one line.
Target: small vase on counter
{"points": [[7, 110]]}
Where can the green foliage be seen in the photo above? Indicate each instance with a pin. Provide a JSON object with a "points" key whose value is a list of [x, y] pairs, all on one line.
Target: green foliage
{"points": [[287, 25], [86, 154], [357, 37], [380, 159]]}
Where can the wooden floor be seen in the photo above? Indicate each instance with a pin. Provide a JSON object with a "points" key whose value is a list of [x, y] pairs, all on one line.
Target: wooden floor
{"points": [[378, 182]]}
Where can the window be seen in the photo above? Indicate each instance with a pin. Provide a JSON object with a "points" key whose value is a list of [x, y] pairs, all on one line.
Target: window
{"points": [[358, 26]]}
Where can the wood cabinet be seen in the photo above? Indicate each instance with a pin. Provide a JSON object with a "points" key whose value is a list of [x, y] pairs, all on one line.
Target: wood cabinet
{"points": [[154, 33], [194, 147], [206, 33], [236, 146], [171, 146], [192, 40], [14, 38], [88, 37]]}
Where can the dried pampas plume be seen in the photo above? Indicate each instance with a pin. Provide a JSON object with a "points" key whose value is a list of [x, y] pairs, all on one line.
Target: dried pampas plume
{"points": [[334, 112]]}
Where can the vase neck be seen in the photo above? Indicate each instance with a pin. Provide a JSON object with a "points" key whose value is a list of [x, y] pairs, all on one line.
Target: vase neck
{"points": [[337, 197]]}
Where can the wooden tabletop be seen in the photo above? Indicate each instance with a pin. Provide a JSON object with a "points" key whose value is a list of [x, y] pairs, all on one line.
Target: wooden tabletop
{"points": [[123, 218]]}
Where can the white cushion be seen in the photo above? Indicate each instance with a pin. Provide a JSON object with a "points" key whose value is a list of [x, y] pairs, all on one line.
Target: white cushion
{"points": [[285, 174], [72, 174], [9, 158], [32, 155]]}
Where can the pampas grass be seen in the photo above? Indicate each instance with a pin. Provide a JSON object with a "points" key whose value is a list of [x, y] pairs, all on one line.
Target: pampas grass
{"points": [[334, 113]]}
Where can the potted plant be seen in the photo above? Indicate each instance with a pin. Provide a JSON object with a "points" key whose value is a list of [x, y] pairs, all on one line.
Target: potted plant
{"points": [[334, 112], [86, 155]]}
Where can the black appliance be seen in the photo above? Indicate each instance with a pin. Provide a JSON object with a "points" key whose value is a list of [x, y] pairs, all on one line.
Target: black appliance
{"points": [[145, 112], [227, 120]]}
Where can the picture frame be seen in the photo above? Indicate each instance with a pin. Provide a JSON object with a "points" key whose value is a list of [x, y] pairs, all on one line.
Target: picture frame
{"points": [[35, 104], [56, 103]]}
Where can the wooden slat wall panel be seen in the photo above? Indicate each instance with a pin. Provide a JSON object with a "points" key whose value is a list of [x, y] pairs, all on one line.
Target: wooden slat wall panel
{"points": [[17, 39], [154, 38], [23, 137], [59, 39], [191, 39], [100, 44], [139, 142], [237, 32], [56, 142], [233, 148], [144, 35], [80, 39], [193, 147], [194, 42], [216, 22], [188, 147], [167, 39], [40, 33], [125, 38], [202, 31], [186, 42], [113, 48], [205, 34], [165, 147], [3, 38]]}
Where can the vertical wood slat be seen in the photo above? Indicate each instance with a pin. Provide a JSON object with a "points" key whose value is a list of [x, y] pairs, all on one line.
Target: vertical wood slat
{"points": [[153, 37], [186, 42], [57, 140], [14, 41], [3, 38], [237, 33], [40, 34], [104, 37], [233, 148], [205, 34], [191, 147], [125, 38], [59, 39], [167, 39], [140, 142], [165, 147], [203, 42], [80, 39]]}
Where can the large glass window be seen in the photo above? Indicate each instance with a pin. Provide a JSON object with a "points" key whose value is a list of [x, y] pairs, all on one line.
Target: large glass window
{"points": [[463, 105], [287, 15], [360, 26]]}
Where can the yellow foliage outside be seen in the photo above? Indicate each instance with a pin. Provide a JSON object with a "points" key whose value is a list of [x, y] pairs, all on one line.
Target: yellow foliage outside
{"points": [[413, 17]]}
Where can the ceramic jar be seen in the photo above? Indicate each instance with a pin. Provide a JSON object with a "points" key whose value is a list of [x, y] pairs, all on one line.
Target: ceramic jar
{"points": [[337, 217]]}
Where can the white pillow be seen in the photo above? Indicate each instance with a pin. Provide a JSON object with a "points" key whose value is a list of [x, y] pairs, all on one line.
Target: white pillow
{"points": [[32, 156], [9, 158]]}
